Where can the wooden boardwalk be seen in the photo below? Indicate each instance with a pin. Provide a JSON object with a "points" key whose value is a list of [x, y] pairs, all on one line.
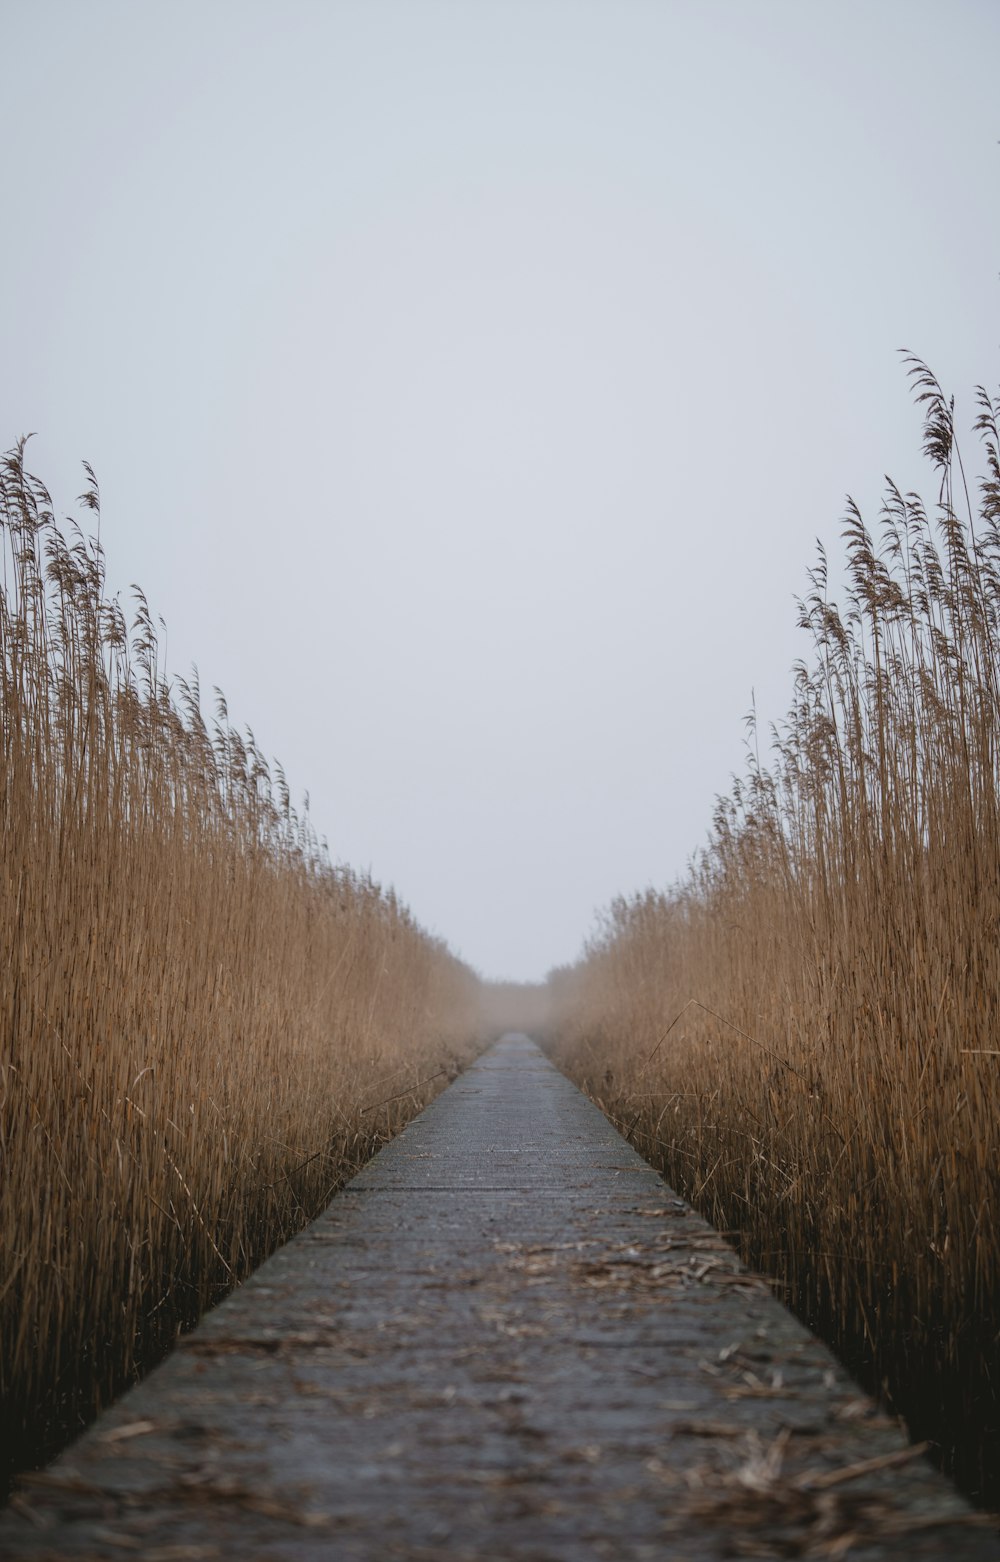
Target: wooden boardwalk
{"points": [[506, 1339]]}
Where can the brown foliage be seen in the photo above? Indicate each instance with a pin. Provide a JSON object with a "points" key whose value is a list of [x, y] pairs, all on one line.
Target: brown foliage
{"points": [[804, 1034], [204, 1027]]}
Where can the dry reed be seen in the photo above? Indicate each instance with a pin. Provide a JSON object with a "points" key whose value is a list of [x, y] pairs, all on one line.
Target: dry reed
{"points": [[804, 1034], [205, 1026]]}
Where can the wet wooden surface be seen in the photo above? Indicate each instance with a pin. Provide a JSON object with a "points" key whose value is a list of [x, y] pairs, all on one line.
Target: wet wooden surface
{"points": [[507, 1338]]}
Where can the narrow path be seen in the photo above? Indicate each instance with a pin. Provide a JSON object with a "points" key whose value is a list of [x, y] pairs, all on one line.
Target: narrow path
{"points": [[506, 1338]]}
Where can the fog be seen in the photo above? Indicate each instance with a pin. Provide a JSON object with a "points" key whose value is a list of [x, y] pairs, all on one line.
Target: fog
{"points": [[468, 384]]}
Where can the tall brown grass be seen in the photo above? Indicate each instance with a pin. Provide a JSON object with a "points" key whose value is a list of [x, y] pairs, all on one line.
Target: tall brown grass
{"points": [[804, 1034], [204, 1027]]}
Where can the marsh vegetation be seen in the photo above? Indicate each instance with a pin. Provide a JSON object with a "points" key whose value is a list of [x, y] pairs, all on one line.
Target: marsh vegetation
{"points": [[204, 1026], [804, 1033]]}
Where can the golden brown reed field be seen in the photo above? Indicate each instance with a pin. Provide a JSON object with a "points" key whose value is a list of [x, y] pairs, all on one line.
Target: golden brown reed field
{"points": [[205, 1026], [804, 1035]]}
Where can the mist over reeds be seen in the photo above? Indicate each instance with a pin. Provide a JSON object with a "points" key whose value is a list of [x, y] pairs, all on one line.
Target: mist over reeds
{"points": [[804, 1033], [204, 1026]]}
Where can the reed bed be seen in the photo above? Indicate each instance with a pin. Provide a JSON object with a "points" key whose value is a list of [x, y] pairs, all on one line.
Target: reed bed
{"points": [[804, 1033], [205, 1026]]}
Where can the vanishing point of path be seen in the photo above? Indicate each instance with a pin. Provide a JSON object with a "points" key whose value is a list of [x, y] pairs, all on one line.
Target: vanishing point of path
{"points": [[506, 1338]]}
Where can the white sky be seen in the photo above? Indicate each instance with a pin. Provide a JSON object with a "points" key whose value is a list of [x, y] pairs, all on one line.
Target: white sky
{"points": [[468, 380]]}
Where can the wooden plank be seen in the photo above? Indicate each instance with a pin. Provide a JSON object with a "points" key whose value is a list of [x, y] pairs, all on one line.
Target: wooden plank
{"points": [[507, 1338]]}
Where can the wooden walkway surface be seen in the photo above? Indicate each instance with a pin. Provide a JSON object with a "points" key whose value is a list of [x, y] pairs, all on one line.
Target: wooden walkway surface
{"points": [[506, 1338]]}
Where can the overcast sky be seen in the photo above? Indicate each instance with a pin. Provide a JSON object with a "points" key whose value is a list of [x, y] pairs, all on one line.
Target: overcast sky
{"points": [[468, 380]]}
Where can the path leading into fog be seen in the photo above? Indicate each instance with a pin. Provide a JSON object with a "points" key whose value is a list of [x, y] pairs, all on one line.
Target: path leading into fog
{"points": [[507, 1338]]}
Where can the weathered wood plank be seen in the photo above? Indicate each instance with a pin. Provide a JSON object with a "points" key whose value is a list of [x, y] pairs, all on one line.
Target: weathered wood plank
{"points": [[507, 1338]]}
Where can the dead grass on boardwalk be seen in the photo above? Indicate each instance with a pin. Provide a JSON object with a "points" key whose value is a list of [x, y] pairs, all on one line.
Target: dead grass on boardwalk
{"points": [[204, 1027], [806, 1033]]}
